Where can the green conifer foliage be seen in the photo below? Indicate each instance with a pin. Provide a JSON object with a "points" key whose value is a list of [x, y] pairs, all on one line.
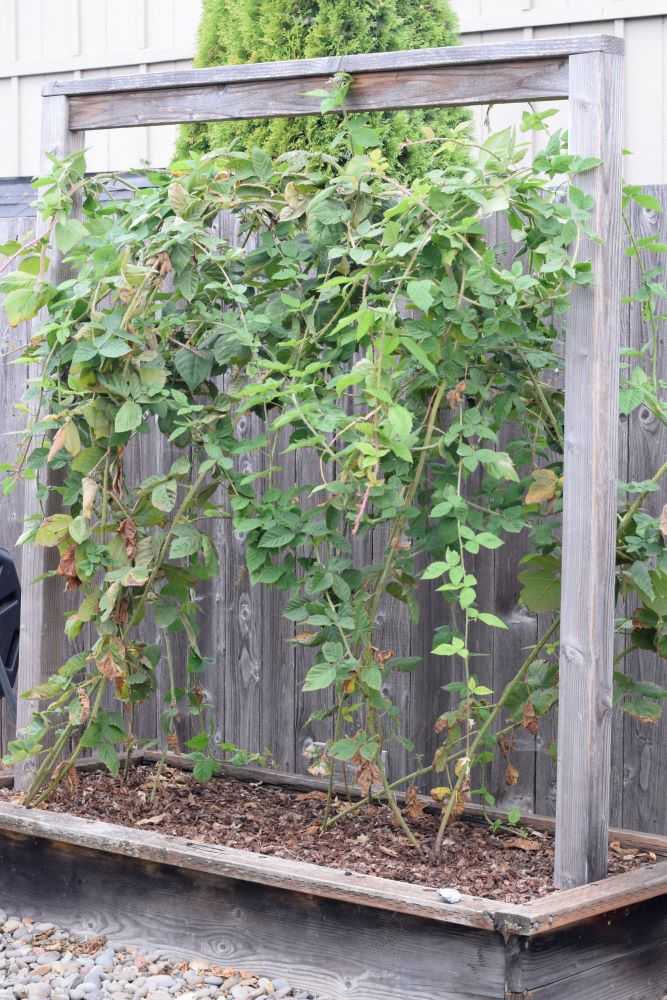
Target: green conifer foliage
{"points": [[238, 31]]}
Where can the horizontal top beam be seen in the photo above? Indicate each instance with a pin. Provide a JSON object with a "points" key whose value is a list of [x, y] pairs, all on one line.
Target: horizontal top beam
{"points": [[411, 59]]}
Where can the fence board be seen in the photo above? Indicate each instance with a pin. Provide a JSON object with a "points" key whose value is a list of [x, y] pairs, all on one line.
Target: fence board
{"points": [[254, 682]]}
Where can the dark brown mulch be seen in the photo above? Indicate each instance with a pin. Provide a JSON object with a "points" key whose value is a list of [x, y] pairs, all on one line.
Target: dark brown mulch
{"points": [[285, 823]]}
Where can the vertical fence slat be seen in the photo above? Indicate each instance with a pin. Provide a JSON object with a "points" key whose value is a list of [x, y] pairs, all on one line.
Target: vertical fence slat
{"points": [[41, 644], [645, 798], [591, 440]]}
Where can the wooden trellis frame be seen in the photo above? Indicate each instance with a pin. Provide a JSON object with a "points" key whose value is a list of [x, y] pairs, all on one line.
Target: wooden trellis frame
{"points": [[588, 71]]}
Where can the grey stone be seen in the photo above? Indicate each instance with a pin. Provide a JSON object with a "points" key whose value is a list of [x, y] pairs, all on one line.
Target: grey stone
{"points": [[159, 982]]}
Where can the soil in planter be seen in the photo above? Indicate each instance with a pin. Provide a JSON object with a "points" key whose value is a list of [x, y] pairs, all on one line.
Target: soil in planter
{"points": [[285, 823]]}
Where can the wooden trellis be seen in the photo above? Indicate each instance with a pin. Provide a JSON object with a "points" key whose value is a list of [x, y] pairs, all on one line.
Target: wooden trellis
{"points": [[588, 71]]}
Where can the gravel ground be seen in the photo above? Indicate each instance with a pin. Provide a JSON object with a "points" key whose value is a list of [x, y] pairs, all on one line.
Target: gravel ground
{"points": [[39, 961]]}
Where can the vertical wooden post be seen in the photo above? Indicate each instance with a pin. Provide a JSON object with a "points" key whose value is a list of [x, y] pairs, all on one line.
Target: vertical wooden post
{"points": [[589, 515], [41, 645]]}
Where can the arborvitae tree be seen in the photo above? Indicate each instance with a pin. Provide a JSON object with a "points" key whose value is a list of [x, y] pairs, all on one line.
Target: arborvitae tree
{"points": [[238, 31]]}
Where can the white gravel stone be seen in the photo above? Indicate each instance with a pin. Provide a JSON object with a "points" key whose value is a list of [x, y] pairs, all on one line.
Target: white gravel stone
{"points": [[59, 969]]}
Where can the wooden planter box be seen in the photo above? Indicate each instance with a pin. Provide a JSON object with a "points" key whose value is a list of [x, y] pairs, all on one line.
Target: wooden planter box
{"points": [[344, 936]]}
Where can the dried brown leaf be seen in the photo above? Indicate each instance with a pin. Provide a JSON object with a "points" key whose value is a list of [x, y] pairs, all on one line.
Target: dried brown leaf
{"points": [[57, 444], [530, 721], [543, 486], [108, 667], [152, 820], [67, 568], [128, 532], [511, 775], [663, 521], [414, 807], [456, 395], [368, 774], [89, 488], [523, 844]]}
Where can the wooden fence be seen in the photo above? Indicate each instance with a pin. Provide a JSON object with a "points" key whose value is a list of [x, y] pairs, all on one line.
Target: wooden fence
{"points": [[255, 683]]}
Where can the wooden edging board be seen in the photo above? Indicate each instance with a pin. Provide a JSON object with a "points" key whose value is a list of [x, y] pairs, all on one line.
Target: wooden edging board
{"points": [[558, 910]]}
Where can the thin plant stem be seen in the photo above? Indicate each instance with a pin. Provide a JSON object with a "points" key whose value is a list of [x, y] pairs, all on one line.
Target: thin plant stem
{"points": [[484, 728]]}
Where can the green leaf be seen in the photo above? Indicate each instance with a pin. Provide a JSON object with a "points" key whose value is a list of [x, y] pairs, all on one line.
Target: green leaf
{"points": [[488, 540], [79, 529], [186, 542], [163, 496], [492, 620], [419, 354], [321, 675], [69, 233], [362, 136], [21, 305], [435, 570], [53, 530], [344, 749], [193, 368], [540, 591], [129, 417], [421, 293], [372, 676]]}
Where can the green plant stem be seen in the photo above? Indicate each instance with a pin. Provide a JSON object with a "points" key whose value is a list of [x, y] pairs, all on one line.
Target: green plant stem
{"points": [[636, 504], [484, 728], [187, 500], [396, 811], [71, 760], [46, 765], [411, 492], [367, 799]]}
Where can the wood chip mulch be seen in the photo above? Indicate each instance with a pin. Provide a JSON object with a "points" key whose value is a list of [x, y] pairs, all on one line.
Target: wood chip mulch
{"points": [[504, 866]]}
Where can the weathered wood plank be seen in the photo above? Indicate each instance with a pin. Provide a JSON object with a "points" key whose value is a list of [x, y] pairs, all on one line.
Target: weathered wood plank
{"points": [[12, 388], [645, 799], [410, 59], [568, 952], [342, 951], [590, 469], [42, 643], [572, 906], [419, 88], [229, 862], [638, 975]]}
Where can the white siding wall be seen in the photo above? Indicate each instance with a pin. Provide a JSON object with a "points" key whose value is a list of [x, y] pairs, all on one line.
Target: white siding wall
{"points": [[43, 40], [46, 39]]}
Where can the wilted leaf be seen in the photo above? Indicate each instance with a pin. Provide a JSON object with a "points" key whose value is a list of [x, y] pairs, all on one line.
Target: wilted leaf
{"points": [[529, 720], [368, 774], [89, 491], [413, 806], [663, 521], [67, 568], [511, 775], [441, 793], [456, 395], [128, 532], [523, 844], [57, 444], [108, 667], [543, 486]]}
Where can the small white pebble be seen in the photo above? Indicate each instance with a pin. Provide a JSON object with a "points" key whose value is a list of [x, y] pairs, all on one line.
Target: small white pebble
{"points": [[450, 895]]}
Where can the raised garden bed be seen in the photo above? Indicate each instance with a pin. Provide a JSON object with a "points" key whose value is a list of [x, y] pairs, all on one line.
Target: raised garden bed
{"points": [[342, 934]]}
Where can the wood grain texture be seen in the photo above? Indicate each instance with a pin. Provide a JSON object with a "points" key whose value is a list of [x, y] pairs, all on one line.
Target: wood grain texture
{"points": [[299, 876], [41, 649], [638, 975], [411, 59], [645, 746], [568, 952], [590, 469], [417, 88], [341, 951]]}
